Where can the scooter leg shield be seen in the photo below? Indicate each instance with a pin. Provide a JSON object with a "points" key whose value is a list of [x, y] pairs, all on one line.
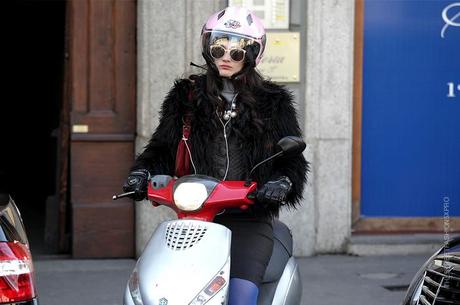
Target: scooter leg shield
{"points": [[289, 288], [185, 262], [127, 299]]}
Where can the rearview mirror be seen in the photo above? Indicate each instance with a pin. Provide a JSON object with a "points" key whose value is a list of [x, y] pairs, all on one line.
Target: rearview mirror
{"points": [[291, 145]]}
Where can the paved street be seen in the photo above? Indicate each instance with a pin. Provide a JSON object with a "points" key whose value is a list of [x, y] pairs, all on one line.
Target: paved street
{"points": [[352, 280], [328, 279], [77, 282]]}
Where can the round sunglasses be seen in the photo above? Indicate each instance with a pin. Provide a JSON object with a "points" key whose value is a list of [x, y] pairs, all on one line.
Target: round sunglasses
{"points": [[218, 51]]}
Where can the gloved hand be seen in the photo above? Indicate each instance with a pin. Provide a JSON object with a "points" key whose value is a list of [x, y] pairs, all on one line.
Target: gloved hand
{"points": [[137, 181], [274, 193]]}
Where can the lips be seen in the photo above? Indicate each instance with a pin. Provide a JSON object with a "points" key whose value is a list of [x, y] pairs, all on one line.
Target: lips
{"points": [[225, 67]]}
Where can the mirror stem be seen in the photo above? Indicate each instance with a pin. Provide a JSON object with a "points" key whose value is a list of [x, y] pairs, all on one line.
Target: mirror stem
{"points": [[248, 179]]}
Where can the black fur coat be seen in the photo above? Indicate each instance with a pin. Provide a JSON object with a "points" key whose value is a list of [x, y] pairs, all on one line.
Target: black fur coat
{"points": [[273, 109]]}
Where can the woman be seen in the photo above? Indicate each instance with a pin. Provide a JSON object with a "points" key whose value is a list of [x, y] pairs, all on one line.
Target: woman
{"points": [[236, 119]]}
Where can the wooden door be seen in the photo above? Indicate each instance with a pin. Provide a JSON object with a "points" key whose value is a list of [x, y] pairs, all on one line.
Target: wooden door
{"points": [[102, 69]]}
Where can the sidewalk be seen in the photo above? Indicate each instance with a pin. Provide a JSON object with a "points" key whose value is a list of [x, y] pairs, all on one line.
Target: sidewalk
{"points": [[328, 279]]}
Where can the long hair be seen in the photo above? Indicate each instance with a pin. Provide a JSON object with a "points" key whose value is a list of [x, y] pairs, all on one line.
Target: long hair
{"points": [[248, 83]]}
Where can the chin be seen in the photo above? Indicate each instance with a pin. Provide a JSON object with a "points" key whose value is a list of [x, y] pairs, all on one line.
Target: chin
{"points": [[225, 74]]}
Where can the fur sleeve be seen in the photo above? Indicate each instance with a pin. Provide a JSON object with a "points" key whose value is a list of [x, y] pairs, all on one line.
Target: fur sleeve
{"points": [[159, 154], [285, 123]]}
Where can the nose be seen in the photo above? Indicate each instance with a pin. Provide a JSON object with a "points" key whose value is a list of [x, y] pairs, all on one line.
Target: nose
{"points": [[226, 57]]}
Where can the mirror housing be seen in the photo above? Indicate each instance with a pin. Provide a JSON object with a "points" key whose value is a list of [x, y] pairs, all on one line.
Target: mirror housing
{"points": [[291, 146]]}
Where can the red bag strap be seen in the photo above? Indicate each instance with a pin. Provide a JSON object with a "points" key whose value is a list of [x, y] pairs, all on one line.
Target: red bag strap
{"points": [[183, 161]]}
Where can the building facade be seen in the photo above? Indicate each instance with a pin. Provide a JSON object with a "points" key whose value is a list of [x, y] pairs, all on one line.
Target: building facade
{"points": [[377, 91], [323, 223], [358, 134]]}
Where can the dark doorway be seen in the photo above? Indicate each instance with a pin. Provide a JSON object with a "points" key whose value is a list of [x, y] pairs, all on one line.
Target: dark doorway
{"points": [[31, 141]]}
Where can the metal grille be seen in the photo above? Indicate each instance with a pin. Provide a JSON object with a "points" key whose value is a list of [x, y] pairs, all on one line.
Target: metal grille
{"points": [[441, 282], [181, 235]]}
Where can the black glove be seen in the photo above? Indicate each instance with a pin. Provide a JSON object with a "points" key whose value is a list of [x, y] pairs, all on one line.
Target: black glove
{"points": [[274, 193], [137, 181]]}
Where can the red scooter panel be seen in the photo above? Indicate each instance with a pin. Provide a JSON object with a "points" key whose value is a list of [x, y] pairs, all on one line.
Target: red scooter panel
{"points": [[232, 194], [163, 196], [226, 194]]}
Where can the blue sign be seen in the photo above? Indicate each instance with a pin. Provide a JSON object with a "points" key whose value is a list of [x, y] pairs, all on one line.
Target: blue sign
{"points": [[411, 109]]}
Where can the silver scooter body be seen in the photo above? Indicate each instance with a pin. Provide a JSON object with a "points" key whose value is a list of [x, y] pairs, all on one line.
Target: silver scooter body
{"points": [[180, 261], [281, 284], [186, 260]]}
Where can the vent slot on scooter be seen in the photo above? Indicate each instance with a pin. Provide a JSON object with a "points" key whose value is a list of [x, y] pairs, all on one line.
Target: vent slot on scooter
{"points": [[182, 235]]}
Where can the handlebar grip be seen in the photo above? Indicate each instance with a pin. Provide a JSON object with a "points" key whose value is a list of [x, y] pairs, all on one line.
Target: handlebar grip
{"points": [[252, 196]]}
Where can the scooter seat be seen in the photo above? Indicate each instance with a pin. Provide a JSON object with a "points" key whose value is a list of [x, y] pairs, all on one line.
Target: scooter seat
{"points": [[282, 251]]}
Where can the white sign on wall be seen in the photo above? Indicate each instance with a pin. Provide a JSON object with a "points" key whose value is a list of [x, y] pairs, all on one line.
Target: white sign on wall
{"points": [[273, 13]]}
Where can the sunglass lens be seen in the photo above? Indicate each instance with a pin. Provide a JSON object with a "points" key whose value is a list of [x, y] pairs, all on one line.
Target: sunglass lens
{"points": [[217, 52], [237, 55]]}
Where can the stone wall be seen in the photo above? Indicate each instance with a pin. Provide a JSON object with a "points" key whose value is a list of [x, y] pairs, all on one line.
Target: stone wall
{"points": [[168, 39]]}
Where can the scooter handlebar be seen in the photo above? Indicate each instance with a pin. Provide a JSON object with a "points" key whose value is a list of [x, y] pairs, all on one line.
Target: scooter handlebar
{"points": [[221, 195], [251, 196], [122, 195]]}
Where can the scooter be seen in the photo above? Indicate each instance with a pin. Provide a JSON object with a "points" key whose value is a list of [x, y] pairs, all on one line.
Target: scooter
{"points": [[187, 261]]}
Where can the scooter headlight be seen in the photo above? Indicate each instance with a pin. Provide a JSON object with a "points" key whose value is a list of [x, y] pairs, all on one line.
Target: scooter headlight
{"points": [[191, 192], [190, 196]]}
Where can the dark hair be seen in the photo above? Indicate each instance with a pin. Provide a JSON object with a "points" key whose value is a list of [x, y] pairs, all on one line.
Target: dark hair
{"points": [[246, 83]]}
